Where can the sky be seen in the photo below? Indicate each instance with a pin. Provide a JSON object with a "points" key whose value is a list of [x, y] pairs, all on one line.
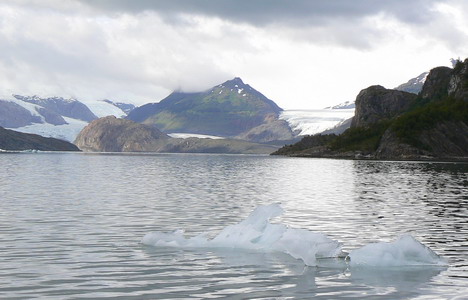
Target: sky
{"points": [[302, 54]]}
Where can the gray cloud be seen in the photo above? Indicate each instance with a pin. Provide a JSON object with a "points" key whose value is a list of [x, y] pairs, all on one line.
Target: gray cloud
{"points": [[264, 12]]}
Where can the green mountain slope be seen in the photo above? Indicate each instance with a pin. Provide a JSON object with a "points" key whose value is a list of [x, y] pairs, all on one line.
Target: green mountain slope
{"points": [[229, 109]]}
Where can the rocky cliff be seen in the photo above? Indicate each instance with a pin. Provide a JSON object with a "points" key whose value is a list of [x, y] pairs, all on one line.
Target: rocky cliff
{"points": [[377, 103], [110, 134], [18, 141], [391, 125]]}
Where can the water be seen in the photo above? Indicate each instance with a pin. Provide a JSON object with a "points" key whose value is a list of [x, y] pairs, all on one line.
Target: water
{"points": [[71, 226]]}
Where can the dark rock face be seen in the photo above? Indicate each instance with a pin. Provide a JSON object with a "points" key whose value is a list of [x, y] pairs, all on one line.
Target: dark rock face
{"points": [[436, 83], [13, 115], [17, 141], [377, 103], [458, 84], [446, 140], [110, 134], [66, 107], [230, 109]]}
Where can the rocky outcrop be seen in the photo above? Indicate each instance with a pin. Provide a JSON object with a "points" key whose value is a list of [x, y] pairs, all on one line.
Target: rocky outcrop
{"points": [[458, 83], [18, 141], [436, 83], [377, 103], [110, 134]]}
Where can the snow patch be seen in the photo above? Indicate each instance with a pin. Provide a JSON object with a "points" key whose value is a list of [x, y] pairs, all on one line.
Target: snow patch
{"points": [[189, 135]]}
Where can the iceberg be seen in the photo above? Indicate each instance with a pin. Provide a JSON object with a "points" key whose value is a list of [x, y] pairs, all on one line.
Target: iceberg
{"points": [[405, 251], [256, 232]]}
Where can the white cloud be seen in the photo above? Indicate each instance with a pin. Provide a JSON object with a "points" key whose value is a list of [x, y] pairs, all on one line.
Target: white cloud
{"points": [[70, 49]]}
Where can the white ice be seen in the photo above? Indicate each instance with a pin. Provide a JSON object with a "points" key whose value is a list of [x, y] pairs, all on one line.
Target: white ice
{"points": [[405, 251], [257, 233], [309, 122]]}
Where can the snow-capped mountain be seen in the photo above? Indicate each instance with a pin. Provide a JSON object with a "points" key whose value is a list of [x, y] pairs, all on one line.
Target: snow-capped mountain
{"points": [[71, 108], [414, 85], [344, 105], [55, 117]]}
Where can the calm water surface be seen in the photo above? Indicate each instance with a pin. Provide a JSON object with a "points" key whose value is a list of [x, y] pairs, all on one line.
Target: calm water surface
{"points": [[71, 225]]}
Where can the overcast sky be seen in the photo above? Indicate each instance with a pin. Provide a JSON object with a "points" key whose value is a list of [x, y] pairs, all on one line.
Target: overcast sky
{"points": [[302, 54]]}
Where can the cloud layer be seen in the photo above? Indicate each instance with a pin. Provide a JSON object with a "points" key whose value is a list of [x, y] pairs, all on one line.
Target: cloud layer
{"points": [[296, 53]]}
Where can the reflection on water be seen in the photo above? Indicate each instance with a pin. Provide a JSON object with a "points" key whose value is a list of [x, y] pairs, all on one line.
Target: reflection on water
{"points": [[70, 225]]}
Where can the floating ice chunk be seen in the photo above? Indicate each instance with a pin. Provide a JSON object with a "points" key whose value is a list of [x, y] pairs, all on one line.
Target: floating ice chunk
{"points": [[405, 251], [257, 233]]}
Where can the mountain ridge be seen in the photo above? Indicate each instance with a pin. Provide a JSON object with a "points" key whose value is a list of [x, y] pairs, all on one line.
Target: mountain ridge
{"points": [[230, 109]]}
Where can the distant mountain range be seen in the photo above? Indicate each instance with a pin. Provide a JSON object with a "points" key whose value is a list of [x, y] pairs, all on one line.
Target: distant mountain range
{"points": [[231, 110], [54, 116]]}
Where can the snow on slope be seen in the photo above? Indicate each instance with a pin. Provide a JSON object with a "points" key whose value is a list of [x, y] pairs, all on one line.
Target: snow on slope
{"points": [[32, 108], [67, 132], [309, 122], [104, 109]]}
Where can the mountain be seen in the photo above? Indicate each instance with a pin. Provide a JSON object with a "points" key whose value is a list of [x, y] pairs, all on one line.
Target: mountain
{"points": [[392, 124], [55, 117], [344, 105], [110, 134], [71, 108], [17, 141], [413, 85], [230, 109], [125, 107]]}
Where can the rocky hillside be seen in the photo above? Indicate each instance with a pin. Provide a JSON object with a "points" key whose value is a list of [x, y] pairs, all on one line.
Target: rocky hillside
{"points": [[111, 134], [17, 141], [391, 125], [230, 109]]}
